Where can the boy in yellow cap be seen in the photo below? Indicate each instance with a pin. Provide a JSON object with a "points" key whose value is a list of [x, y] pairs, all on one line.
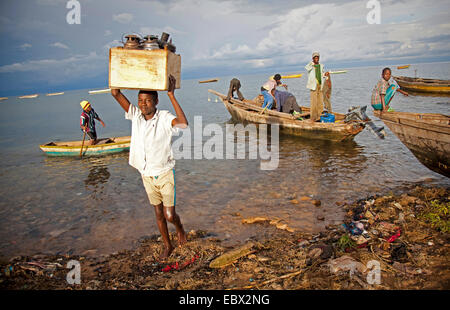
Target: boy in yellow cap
{"points": [[87, 122]]}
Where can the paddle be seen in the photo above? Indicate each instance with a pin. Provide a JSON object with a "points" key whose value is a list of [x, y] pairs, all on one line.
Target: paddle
{"points": [[82, 144], [263, 110]]}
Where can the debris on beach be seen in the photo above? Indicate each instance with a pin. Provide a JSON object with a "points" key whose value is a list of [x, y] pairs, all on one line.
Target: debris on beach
{"points": [[385, 242]]}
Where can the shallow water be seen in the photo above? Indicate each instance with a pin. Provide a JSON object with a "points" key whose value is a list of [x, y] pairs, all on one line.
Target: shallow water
{"points": [[68, 205]]}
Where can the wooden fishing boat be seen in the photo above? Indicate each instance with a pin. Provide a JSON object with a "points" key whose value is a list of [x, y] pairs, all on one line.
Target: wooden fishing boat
{"points": [[420, 85], [100, 91], [426, 135], [403, 67], [3, 98], [249, 111], [55, 94], [28, 96], [208, 81], [72, 148]]}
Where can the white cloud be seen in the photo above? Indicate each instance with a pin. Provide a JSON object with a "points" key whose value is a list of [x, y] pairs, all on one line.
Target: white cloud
{"points": [[50, 64], [113, 43], [59, 45], [259, 63], [123, 18], [51, 2], [158, 30], [339, 31], [108, 32], [25, 46]]}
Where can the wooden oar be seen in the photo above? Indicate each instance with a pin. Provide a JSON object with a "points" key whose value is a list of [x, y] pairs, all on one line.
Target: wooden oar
{"points": [[82, 144]]}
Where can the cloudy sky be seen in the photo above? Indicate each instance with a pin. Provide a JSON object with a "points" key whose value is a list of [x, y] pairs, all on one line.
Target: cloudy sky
{"points": [[40, 51]]}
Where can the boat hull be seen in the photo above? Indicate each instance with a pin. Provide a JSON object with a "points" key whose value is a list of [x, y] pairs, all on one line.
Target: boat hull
{"points": [[73, 148], [419, 85], [246, 112], [427, 136]]}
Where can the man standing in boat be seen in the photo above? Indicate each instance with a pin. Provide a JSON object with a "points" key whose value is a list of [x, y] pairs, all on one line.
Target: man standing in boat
{"points": [[316, 78], [87, 121], [151, 154]]}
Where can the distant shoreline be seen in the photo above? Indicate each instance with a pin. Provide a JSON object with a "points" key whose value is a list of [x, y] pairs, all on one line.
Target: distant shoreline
{"points": [[288, 69]]}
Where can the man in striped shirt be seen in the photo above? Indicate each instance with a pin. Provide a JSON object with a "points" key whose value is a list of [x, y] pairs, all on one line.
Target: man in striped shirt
{"points": [[87, 122]]}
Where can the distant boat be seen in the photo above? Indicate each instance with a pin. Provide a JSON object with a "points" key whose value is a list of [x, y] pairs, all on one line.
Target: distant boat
{"points": [[100, 91], [28, 96], [338, 72], [292, 76], [3, 98], [209, 81], [72, 148], [403, 67], [55, 94], [420, 85]]}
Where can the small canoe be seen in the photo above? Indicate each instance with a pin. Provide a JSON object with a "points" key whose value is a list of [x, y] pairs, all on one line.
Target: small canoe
{"points": [[426, 135], [292, 76], [208, 81], [72, 148], [403, 67], [338, 72], [249, 111], [3, 98], [420, 85], [100, 91], [55, 94], [28, 96]]}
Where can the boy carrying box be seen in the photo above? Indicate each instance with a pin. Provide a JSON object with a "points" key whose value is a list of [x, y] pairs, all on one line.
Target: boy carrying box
{"points": [[151, 155]]}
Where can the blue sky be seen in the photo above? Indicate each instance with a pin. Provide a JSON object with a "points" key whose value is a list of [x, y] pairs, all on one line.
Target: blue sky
{"points": [[41, 52]]}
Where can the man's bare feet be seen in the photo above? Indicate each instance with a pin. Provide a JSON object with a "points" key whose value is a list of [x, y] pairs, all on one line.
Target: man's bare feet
{"points": [[182, 238], [166, 252]]}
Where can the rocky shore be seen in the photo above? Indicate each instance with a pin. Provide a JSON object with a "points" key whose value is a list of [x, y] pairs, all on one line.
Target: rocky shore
{"points": [[385, 242]]}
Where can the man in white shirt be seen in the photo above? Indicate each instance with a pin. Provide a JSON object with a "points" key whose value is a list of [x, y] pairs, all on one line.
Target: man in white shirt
{"points": [[151, 154], [316, 76]]}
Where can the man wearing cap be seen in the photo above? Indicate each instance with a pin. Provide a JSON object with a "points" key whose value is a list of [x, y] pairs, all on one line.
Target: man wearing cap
{"points": [[316, 78], [87, 122]]}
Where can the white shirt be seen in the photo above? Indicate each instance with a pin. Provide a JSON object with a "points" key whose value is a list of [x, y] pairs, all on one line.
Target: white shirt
{"points": [[151, 141], [312, 81]]}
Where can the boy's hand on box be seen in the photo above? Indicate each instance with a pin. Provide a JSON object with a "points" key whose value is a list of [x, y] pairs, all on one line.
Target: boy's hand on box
{"points": [[172, 84]]}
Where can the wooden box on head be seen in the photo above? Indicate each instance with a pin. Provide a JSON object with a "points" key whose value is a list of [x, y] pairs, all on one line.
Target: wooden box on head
{"points": [[143, 69]]}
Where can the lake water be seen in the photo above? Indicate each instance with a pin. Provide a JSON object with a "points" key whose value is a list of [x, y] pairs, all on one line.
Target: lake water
{"points": [[68, 205]]}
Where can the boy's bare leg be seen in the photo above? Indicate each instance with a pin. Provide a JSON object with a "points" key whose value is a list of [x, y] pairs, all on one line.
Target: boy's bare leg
{"points": [[172, 217], [162, 225]]}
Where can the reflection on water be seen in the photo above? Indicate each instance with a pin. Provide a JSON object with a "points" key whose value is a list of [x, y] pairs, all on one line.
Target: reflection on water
{"points": [[97, 175], [99, 205]]}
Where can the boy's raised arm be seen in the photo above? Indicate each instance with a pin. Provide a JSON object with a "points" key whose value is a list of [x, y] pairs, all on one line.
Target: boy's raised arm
{"points": [[180, 121], [121, 99]]}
